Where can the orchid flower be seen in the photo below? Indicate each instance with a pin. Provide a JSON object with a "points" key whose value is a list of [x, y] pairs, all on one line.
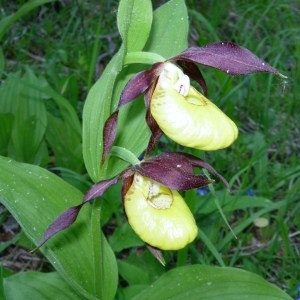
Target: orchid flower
{"points": [[176, 108], [154, 208]]}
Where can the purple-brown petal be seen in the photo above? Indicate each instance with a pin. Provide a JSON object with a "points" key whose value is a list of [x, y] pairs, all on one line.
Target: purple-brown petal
{"points": [[173, 170], [109, 134], [68, 217], [139, 83], [195, 161], [99, 188], [157, 253], [63, 221], [227, 57]]}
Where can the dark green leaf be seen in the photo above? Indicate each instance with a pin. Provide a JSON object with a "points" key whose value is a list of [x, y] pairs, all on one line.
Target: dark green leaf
{"points": [[97, 109], [133, 274], [26, 105], [124, 237], [206, 282], [65, 143], [36, 197], [169, 33], [37, 286], [7, 120], [134, 23]]}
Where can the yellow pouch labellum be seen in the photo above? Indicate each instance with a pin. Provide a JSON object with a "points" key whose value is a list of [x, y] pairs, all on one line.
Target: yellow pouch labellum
{"points": [[158, 215], [191, 119]]}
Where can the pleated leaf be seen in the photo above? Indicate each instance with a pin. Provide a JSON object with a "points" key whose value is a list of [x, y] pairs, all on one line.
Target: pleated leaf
{"points": [[166, 38], [37, 286], [207, 282], [80, 254], [26, 105]]}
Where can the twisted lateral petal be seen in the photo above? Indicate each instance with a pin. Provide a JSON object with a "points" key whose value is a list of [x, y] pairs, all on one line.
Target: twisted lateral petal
{"points": [[159, 215], [190, 120]]}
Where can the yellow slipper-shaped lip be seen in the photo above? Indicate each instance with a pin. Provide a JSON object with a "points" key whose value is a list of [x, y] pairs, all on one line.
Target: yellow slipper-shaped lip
{"points": [[186, 116], [159, 215]]}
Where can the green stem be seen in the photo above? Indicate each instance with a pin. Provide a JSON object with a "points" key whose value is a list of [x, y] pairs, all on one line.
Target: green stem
{"points": [[143, 58], [98, 253], [125, 155], [182, 257]]}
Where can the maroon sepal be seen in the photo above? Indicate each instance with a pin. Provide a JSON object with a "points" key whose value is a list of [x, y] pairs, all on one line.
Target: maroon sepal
{"points": [[227, 57], [157, 254], [193, 72], [109, 134], [175, 170], [139, 83], [68, 217]]}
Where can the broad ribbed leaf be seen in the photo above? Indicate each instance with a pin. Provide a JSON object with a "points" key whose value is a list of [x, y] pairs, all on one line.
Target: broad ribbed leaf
{"points": [[169, 32], [37, 286], [65, 142], [7, 120], [228, 57], [26, 105], [206, 282], [36, 197], [134, 23], [96, 111]]}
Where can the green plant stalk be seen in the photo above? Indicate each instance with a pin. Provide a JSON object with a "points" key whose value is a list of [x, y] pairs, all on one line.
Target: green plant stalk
{"points": [[182, 257], [97, 250]]}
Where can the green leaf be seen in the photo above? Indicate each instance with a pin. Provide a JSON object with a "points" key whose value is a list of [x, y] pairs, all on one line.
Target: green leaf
{"points": [[130, 291], [96, 110], [169, 33], [3, 273], [207, 282], [8, 21], [35, 197], [133, 274], [65, 143], [2, 61], [124, 237], [7, 120], [37, 286], [134, 23], [26, 105]]}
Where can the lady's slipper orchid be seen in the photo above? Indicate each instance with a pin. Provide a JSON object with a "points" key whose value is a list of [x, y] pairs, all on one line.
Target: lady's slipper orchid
{"points": [[176, 108], [186, 116], [154, 208], [159, 215]]}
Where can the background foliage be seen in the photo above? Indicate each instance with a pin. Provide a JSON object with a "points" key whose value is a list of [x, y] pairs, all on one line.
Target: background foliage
{"points": [[51, 55]]}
